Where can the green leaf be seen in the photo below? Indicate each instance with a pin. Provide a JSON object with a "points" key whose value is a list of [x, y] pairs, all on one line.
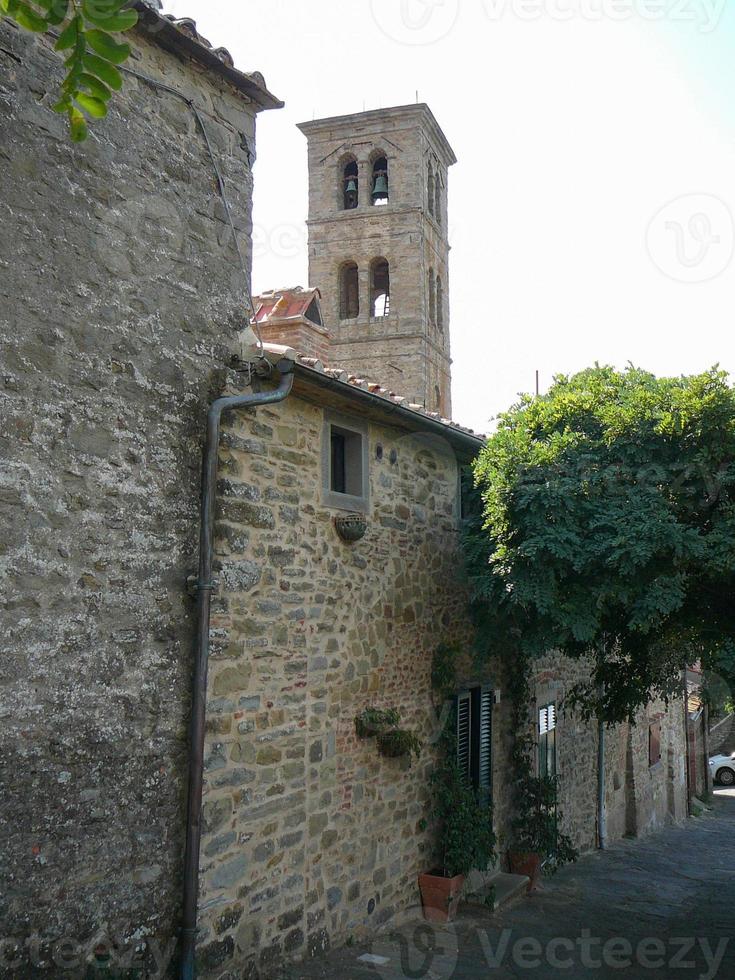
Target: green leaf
{"points": [[3, 6], [27, 17], [63, 105], [97, 88], [104, 70], [78, 125], [108, 47], [95, 107], [102, 15], [55, 11], [68, 37]]}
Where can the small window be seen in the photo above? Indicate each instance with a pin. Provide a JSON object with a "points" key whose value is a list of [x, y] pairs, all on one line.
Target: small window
{"points": [[350, 186], [438, 200], [654, 743], [379, 288], [547, 740], [380, 181], [439, 303], [432, 297], [345, 463], [430, 190], [349, 292], [474, 739]]}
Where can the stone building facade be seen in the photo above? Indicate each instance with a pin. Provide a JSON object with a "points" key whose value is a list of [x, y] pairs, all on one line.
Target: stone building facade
{"points": [[119, 308], [381, 256], [311, 836], [120, 291]]}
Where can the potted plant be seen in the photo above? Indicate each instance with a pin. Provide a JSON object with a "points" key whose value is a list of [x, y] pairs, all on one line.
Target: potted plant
{"points": [[371, 721], [536, 842], [397, 742], [465, 840]]}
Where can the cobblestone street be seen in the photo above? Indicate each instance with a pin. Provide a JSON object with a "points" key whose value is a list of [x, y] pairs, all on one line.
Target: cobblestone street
{"points": [[657, 907]]}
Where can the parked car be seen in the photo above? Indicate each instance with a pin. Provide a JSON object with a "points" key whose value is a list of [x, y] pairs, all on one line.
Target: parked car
{"points": [[722, 768]]}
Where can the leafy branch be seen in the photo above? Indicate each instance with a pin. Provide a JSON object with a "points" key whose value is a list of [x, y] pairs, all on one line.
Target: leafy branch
{"points": [[86, 30]]}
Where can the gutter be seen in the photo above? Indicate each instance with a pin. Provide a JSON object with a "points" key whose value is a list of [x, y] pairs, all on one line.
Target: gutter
{"points": [[204, 587], [414, 420]]}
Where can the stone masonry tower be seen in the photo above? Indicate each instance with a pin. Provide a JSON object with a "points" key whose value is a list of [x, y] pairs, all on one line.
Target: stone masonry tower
{"points": [[378, 247]]}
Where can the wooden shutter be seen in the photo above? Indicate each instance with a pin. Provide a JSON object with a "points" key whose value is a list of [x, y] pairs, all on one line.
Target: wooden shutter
{"points": [[464, 734], [482, 742]]}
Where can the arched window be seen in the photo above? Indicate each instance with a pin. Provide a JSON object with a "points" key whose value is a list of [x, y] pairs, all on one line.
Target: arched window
{"points": [[350, 185], [379, 287], [430, 189], [437, 399], [438, 200], [380, 181], [439, 303], [432, 297], [349, 292]]}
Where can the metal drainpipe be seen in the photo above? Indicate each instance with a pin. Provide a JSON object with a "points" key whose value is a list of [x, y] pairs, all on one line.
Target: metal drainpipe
{"points": [[601, 809], [204, 587]]}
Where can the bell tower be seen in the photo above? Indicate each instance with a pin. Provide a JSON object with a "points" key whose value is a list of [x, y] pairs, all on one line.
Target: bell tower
{"points": [[378, 247]]}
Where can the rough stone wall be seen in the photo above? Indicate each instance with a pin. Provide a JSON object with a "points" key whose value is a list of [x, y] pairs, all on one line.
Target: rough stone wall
{"points": [[638, 797], [119, 289], [311, 836], [405, 351]]}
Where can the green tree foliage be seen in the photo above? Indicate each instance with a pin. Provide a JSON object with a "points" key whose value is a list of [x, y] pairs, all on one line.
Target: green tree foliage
{"points": [[607, 527], [87, 39]]}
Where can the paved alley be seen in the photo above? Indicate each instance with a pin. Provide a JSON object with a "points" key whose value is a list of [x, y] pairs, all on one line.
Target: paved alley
{"points": [[659, 907]]}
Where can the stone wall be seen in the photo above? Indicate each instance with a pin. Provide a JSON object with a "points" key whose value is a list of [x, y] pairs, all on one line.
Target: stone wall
{"points": [[311, 836], [119, 291]]}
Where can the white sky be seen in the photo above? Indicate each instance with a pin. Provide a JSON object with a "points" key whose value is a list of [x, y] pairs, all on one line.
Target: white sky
{"points": [[575, 123]]}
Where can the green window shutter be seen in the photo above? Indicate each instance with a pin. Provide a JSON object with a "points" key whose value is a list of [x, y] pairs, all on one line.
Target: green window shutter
{"points": [[464, 733]]}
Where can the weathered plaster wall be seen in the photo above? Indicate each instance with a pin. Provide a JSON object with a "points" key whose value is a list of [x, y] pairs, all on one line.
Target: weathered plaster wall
{"points": [[119, 290], [311, 836]]}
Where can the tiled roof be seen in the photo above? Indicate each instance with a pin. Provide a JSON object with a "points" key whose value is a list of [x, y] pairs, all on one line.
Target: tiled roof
{"points": [[276, 351], [282, 304], [181, 33]]}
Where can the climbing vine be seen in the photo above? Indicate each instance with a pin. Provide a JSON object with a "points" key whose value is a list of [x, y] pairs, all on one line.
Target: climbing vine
{"points": [[85, 32], [535, 824]]}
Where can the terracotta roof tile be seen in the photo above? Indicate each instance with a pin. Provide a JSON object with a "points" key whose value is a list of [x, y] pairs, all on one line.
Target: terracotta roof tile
{"points": [[278, 351]]}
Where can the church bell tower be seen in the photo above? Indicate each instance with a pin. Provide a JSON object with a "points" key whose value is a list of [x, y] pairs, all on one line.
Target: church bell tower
{"points": [[378, 247]]}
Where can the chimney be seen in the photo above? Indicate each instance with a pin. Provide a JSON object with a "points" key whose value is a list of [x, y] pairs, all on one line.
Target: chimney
{"points": [[292, 318]]}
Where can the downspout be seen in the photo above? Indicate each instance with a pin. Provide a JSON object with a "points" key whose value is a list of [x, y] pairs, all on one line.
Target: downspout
{"points": [[601, 808], [204, 587]]}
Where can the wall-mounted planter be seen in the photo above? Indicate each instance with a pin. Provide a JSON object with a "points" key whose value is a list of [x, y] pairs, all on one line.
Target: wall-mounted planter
{"points": [[373, 721], [351, 527], [398, 742]]}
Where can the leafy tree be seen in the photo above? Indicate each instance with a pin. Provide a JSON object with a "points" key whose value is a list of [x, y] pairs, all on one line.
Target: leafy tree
{"points": [[607, 528], [85, 29]]}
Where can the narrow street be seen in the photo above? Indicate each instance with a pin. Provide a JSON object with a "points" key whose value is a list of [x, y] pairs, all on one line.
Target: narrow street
{"points": [[657, 907]]}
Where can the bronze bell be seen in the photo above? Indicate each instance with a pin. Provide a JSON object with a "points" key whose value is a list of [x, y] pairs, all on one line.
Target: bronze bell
{"points": [[380, 188], [351, 186]]}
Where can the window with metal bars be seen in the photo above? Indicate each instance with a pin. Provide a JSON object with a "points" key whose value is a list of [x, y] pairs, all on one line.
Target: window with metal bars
{"points": [[474, 738], [547, 740]]}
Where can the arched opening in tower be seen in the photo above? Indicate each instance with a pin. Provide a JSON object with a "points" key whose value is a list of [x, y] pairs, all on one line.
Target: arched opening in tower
{"points": [[380, 287]]}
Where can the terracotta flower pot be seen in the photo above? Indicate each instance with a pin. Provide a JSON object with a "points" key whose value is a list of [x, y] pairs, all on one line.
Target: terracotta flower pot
{"points": [[440, 895], [526, 863]]}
